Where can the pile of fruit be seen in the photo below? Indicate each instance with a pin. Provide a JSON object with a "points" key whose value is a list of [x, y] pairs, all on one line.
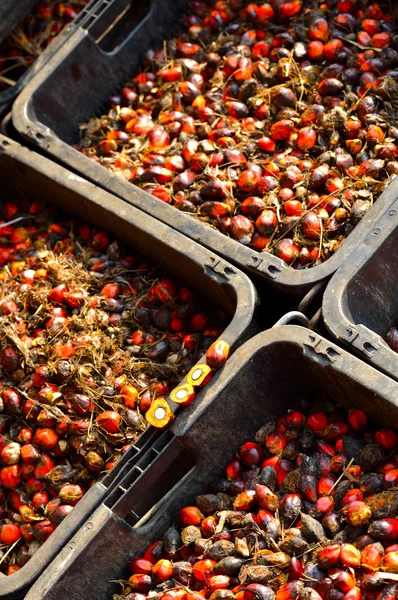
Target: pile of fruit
{"points": [[28, 40], [92, 336], [273, 123], [306, 510]]}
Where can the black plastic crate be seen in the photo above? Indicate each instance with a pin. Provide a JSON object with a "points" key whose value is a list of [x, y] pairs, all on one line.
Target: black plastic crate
{"points": [[263, 379], [25, 172], [11, 13], [360, 303], [75, 85]]}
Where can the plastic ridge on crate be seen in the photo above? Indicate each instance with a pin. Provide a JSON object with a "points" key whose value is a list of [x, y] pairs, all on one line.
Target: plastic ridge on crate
{"points": [[360, 302], [37, 177], [262, 380], [75, 85], [11, 12]]}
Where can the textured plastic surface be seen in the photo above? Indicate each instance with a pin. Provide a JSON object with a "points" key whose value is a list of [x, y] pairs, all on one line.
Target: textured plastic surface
{"points": [[27, 173], [360, 303], [75, 85], [263, 379], [11, 13]]}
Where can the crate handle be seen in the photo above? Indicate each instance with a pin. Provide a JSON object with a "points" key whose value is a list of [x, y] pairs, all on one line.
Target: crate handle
{"points": [[117, 17], [171, 465], [293, 315], [321, 350]]}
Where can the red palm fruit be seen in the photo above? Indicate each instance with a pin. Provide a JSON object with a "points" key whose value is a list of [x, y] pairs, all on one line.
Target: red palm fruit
{"points": [[286, 250], [208, 526], [295, 419], [293, 208], [266, 144], [250, 454], [162, 571], [391, 477], [381, 40], [25, 435], [43, 466], [10, 477], [332, 49], [372, 556], [289, 591], [306, 138], [343, 580], [319, 30], [154, 552], [317, 421], [324, 504], [390, 562], [11, 453], [110, 421], [308, 484], [9, 533], [41, 376], [46, 394], [387, 439], [290, 507], [248, 180], [353, 495], [71, 493], [241, 229], [111, 290], [202, 567], [263, 516], [129, 394], [329, 556], [266, 222], [283, 468], [245, 500], [354, 594], [290, 9], [57, 294], [12, 401], [282, 130], [141, 583], [350, 556], [252, 206], [8, 306], [357, 513], [295, 569], [258, 591], [34, 485], [259, 242], [10, 359], [385, 530], [244, 70], [217, 354], [275, 443], [140, 565], [266, 498], [190, 515], [315, 50], [312, 226], [40, 500], [45, 438], [217, 582], [325, 484], [357, 419], [325, 448], [233, 469]]}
